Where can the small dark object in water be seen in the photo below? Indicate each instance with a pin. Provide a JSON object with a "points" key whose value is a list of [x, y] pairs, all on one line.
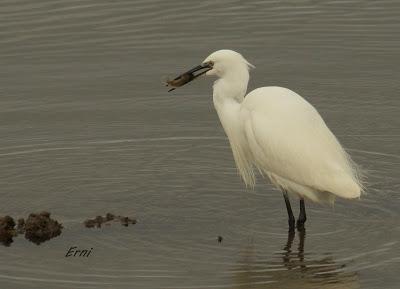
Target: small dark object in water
{"points": [[220, 239], [96, 222], [99, 221], [125, 221], [40, 227], [7, 231]]}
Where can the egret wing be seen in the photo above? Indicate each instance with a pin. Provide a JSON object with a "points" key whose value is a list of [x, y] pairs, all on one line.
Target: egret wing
{"points": [[290, 140]]}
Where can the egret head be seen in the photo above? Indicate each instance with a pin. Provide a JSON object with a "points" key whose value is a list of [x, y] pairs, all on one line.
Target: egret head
{"points": [[221, 63]]}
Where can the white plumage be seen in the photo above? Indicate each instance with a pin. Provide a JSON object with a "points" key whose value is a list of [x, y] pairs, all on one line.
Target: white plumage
{"points": [[276, 131]]}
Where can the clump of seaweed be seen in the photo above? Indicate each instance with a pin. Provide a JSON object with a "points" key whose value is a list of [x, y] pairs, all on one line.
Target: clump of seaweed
{"points": [[40, 227], [37, 228], [107, 219], [7, 231]]}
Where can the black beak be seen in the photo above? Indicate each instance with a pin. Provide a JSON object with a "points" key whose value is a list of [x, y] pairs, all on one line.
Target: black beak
{"points": [[190, 75]]}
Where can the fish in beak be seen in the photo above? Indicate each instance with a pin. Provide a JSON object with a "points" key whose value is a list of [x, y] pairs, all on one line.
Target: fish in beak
{"points": [[188, 76]]}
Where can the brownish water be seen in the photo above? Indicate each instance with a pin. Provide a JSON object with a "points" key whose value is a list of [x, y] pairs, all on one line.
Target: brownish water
{"points": [[87, 128]]}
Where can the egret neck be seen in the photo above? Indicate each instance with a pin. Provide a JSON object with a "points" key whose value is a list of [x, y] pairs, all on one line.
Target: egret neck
{"points": [[228, 94]]}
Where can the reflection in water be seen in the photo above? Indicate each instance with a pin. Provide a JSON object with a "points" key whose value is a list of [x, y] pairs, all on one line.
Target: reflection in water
{"points": [[292, 269]]}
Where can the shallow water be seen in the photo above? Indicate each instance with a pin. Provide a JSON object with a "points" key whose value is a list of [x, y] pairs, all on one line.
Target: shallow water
{"points": [[87, 128]]}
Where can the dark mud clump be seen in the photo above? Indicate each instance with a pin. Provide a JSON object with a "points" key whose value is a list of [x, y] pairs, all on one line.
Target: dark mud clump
{"points": [[7, 231], [125, 221], [39, 227], [107, 219]]}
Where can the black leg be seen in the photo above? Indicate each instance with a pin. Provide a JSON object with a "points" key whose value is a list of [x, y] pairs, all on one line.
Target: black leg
{"points": [[302, 216], [291, 219]]}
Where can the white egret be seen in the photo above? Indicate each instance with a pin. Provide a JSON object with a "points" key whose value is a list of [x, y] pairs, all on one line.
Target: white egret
{"points": [[276, 131]]}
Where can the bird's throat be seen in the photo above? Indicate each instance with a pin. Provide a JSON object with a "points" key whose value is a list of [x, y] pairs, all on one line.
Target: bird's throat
{"points": [[228, 89]]}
